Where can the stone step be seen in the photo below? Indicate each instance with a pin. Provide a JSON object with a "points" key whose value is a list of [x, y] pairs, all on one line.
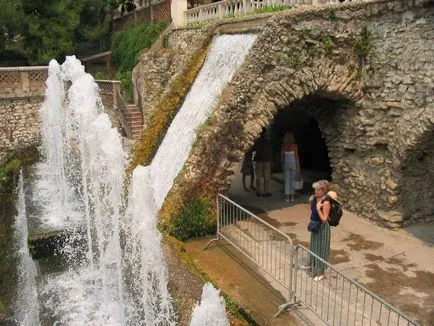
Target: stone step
{"points": [[135, 136], [138, 119], [133, 114], [135, 124]]}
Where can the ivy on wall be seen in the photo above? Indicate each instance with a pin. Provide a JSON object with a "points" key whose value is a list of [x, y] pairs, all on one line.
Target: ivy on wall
{"points": [[127, 46]]}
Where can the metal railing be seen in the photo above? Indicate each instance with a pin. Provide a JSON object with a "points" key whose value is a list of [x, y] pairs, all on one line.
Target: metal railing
{"points": [[336, 300], [123, 113], [263, 244]]}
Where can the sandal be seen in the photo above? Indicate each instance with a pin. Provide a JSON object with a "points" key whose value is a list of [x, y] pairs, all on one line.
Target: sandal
{"points": [[318, 278]]}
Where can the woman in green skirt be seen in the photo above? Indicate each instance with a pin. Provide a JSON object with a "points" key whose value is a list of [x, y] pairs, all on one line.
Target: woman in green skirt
{"points": [[320, 238]]}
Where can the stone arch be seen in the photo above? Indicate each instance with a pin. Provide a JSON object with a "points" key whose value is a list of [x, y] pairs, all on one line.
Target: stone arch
{"points": [[414, 166], [231, 132], [274, 75]]}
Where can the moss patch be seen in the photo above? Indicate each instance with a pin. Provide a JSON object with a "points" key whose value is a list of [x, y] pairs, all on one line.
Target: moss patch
{"points": [[195, 220]]}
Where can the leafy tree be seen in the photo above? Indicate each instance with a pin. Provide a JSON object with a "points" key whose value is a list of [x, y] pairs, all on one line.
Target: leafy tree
{"points": [[40, 30], [10, 21]]}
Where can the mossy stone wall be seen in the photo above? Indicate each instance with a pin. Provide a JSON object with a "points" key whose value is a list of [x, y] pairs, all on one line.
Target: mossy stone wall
{"points": [[372, 62]]}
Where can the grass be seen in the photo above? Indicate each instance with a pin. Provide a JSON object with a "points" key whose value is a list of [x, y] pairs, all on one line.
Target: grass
{"points": [[270, 8]]}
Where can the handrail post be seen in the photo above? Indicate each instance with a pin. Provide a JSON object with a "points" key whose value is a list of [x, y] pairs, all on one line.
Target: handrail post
{"points": [[218, 215], [218, 224], [115, 90]]}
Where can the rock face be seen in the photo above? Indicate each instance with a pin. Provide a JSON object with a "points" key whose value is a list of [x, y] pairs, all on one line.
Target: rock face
{"points": [[364, 72], [19, 124], [160, 68]]}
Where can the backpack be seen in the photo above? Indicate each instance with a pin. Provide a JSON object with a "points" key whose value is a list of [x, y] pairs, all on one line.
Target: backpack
{"points": [[335, 212]]}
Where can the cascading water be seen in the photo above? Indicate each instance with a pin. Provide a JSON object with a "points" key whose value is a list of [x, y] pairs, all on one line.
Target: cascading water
{"points": [[151, 184], [227, 53], [27, 308], [121, 278]]}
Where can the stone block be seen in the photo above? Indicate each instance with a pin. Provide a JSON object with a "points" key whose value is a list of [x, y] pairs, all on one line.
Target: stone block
{"points": [[391, 184], [391, 216], [392, 199]]}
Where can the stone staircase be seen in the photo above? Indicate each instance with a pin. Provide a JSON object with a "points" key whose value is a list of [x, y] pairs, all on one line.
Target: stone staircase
{"points": [[134, 118]]}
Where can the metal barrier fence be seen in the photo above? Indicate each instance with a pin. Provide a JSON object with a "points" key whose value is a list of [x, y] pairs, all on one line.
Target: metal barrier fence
{"points": [[336, 299], [266, 246]]}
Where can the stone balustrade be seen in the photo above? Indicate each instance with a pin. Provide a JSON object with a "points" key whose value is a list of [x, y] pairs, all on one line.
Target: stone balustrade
{"points": [[22, 91], [236, 8], [22, 81]]}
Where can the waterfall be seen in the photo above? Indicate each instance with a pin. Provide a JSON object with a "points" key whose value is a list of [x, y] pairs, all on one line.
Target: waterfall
{"points": [[120, 277], [26, 305], [227, 53], [151, 184]]}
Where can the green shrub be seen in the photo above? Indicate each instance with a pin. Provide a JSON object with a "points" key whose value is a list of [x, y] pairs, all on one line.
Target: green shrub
{"points": [[364, 46], [128, 44], [123, 77], [194, 221], [3, 176], [271, 8]]}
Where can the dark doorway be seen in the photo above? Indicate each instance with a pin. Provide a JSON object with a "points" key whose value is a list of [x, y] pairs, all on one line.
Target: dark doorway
{"points": [[313, 152]]}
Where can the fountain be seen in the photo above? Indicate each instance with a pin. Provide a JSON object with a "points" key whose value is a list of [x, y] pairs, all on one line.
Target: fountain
{"points": [[119, 276]]}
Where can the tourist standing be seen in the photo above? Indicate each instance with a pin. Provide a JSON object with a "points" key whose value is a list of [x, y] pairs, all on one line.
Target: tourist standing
{"points": [[248, 170], [320, 232], [291, 164], [263, 164]]}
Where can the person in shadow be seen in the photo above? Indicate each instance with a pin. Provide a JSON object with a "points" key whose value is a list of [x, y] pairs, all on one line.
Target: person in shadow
{"points": [[248, 170], [263, 164]]}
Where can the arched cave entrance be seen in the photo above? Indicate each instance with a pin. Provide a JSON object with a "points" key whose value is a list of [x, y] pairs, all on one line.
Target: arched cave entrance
{"points": [[314, 121], [417, 192], [313, 152]]}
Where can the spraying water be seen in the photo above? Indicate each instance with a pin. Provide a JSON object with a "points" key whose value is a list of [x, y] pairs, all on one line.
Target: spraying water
{"points": [[56, 205], [26, 306], [211, 310], [121, 278]]}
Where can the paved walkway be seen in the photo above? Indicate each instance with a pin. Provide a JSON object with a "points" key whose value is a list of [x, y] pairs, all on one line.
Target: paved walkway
{"points": [[395, 265]]}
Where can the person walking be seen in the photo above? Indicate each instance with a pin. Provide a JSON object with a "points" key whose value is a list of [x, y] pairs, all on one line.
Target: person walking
{"points": [[248, 170], [290, 163], [320, 228], [263, 164]]}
